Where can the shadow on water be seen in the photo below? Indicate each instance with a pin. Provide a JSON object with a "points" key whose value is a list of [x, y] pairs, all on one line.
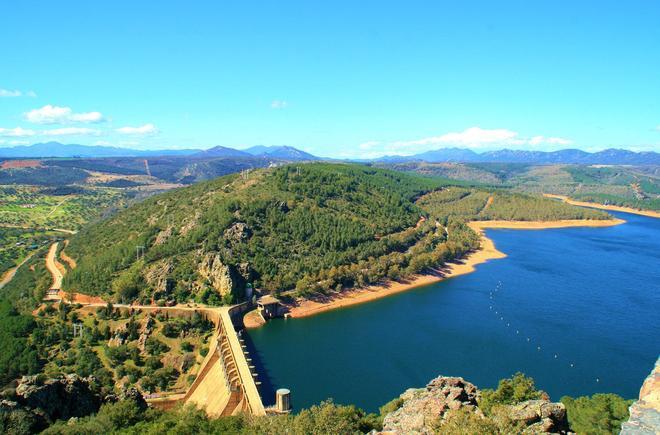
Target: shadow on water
{"points": [[266, 389]]}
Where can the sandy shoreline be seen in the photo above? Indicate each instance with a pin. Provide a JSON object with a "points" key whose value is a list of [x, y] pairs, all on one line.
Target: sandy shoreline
{"points": [[568, 200], [487, 251]]}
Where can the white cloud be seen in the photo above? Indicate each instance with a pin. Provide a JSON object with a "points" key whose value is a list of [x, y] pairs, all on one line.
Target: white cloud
{"points": [[102, 142], [476, 137], [540, 140], [657, 128], [368, 145], [128, 143], [144, 130], [8, 93], [13, 142], [278, 104], [50, 114], [71, 131], [87, 117], [472, 138], [16, 132], [16, 93]]}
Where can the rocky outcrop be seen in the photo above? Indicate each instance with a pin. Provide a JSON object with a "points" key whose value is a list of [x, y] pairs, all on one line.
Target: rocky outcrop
{"points": [[41, 403], [423, 410], [69, 396], [163, 236], [223, 278], [157, 274], [146, 330], [34, 405], [422, 407], [119, 336], [237, 232], [645, 413]]}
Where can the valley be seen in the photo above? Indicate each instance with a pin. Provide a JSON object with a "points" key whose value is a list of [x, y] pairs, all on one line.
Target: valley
{"points": [[337, 236]]}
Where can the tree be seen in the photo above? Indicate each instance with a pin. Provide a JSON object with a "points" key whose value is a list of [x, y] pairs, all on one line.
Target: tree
{"points": [[598, 414], [516, 389]]}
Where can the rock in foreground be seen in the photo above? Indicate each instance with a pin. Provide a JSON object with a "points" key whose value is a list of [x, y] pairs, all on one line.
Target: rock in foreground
{"points": [[425, 410], [645, 413]]}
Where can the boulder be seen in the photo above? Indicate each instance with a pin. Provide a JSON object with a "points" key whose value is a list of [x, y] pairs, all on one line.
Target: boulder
{"points": [[134, 395], [540, 416], [237, 232], [423, 407]]}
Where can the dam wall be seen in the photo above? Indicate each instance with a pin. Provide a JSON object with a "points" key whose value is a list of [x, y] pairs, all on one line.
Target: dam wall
{"points": [[225, 383]]}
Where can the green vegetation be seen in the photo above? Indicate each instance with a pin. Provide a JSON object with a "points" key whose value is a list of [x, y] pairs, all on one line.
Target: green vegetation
{"points": [[21, 349], [473, 204], [279, 227], [17, 356], [510, 391], [600, 414], [628, 186], [127, 417], [35, 207], [42, 176], [17, 243]]}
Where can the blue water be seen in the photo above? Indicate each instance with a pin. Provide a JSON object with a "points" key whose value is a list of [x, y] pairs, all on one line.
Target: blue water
{"points": [[590, 296]]}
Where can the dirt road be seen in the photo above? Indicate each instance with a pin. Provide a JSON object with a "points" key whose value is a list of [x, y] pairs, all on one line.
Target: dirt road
{"points": [[51, 265]]}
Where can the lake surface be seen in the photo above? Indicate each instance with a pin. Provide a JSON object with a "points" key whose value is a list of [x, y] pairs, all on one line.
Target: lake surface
{"points": [[578, 309]]}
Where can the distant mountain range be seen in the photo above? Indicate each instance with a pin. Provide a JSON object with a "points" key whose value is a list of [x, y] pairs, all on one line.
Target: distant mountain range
{"points": [[287, 153], [568, 156], [280, 152], [56, 149]]}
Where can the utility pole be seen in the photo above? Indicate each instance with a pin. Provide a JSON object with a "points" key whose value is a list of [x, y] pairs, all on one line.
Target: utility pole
{"points": [[78, 330], [139, 252]]}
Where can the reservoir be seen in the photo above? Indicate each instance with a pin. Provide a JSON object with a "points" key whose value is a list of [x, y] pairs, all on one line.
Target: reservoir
{"points": [[578, 309]]}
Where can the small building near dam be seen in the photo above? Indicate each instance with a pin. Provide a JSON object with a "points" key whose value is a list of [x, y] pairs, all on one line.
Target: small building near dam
{"points": [[269, 307]]}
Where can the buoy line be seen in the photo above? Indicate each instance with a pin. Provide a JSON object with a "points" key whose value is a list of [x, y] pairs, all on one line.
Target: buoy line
{"points": [[493, 307]]}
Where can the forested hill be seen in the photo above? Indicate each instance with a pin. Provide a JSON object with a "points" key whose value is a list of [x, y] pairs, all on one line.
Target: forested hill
{"points": [[311, 227], [271, 228]]}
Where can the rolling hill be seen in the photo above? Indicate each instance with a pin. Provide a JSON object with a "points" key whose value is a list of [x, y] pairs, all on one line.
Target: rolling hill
{"points": [[274, 228]]}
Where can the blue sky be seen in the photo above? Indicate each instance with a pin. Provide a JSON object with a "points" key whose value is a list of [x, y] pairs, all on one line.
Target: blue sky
{"points": [[334, 78]]}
